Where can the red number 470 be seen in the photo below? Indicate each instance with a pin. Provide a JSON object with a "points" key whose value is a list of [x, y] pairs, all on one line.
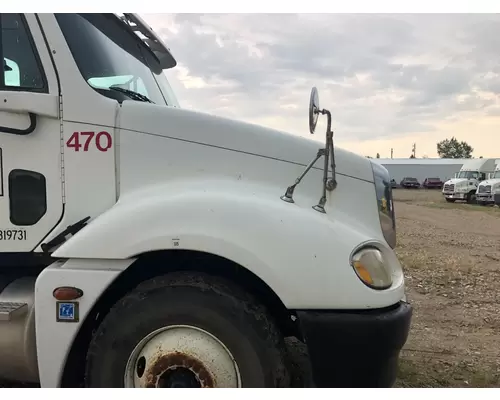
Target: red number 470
{"points": [[102, 142]]}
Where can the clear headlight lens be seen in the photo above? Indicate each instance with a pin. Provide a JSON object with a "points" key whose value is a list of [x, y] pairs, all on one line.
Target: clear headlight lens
{"points": [[371, 268], [385, 204]]}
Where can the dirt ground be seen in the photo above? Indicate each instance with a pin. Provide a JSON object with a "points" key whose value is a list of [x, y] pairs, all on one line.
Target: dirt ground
{"points": [[451, 258]]}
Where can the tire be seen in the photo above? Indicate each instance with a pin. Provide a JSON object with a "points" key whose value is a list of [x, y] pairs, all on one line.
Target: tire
{"points": [[450, 200], [208, 306], [471, 198]]}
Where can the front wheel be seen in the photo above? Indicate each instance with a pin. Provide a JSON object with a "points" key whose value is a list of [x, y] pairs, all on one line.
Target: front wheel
{"points": [[471, 198], [187, 331]]}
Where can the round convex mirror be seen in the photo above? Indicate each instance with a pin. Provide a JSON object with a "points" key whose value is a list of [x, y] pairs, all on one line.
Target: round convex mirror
{"points": [[313, 109]]}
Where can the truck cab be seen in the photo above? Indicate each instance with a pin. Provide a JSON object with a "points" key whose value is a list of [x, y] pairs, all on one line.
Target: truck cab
{"points": [[464, 185], [145, 245], [487, 189]]}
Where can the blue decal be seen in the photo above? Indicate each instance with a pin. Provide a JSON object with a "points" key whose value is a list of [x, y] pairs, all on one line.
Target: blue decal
{"points": [[66, 311]]}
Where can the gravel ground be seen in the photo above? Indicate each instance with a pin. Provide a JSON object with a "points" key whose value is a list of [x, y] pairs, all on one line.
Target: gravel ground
{"points": [[451, 257]]}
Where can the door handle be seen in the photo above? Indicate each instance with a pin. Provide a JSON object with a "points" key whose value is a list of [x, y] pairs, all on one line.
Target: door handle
{"points": [[26, 131]]}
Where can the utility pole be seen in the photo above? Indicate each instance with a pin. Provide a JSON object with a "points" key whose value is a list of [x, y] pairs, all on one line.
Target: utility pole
{"points": [[414, 150], [392, 152]]}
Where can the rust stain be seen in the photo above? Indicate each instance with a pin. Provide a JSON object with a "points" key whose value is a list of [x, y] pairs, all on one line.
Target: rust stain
{"points": [[177, 360]]}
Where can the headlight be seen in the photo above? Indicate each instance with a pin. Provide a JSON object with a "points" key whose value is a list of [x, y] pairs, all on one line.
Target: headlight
{"points": [[371, 268], [385, 205]]}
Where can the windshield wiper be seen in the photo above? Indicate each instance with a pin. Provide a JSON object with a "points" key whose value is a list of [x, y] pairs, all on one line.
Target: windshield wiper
{"points": [[130, 93]]}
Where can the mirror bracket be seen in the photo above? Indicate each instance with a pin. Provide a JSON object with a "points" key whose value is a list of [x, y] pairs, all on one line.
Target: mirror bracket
{"points": [[288, 196], [329, 183]]}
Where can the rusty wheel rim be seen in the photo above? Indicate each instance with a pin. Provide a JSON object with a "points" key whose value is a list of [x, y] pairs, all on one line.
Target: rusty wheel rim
{"points": [[181, 356]]}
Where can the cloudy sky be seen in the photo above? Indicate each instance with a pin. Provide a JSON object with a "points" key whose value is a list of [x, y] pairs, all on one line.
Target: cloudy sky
{"points": [[389, 80]]}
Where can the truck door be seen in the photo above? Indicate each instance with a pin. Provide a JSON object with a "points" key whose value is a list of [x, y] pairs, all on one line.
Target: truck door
{"points": [[31, 173]]}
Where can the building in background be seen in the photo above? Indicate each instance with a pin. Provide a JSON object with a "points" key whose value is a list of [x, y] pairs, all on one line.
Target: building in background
{"points": [[421, 168]]}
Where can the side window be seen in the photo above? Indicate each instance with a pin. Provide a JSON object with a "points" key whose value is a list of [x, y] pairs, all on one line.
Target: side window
{"points": [[21, 68]]}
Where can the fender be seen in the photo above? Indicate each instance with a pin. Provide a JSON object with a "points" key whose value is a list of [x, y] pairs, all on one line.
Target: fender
{"points": [[55, 339], [226, 219]]}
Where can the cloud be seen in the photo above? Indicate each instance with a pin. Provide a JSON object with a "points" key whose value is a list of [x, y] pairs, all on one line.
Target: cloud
{"points": [[382, 76]]}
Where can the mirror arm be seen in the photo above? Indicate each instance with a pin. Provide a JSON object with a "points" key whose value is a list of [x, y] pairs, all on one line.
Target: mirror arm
{"points": [[288, 196], [328, 184], [331, 183]]}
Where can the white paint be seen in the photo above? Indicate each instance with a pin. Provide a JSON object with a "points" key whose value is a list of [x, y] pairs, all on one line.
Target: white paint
{"points": [[178, 179], [480, 165], [482, 192], [26, 102], [39, 151], [173, 186], [54, 339]]}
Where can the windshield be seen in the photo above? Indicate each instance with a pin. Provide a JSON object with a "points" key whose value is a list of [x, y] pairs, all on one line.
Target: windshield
{"points": [[433, 179], [109, 55], [468, 175], [411, 179], [496, 175]]}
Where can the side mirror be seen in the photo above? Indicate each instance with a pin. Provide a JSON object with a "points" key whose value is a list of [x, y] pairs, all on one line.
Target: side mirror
{"points": [[313, 110], [329, 183]]}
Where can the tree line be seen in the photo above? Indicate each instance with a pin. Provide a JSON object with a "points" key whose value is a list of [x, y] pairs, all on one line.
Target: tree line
{"points": [[450, 148]]}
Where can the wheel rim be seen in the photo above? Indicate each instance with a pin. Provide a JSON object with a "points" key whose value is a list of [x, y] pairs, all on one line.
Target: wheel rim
{"points": [[181, 356]]}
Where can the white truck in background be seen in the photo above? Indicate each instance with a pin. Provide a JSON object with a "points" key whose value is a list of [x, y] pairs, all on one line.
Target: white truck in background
{"points": [[486, 190], [144, 245], [465, 183]]}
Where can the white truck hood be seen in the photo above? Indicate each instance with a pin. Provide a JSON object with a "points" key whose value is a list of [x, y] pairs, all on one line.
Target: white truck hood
{"points": [[456, 181], [492, 182], [232, 135]]}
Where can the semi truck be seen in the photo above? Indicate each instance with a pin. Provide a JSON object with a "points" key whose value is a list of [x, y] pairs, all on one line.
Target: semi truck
{"points": [[146, 245], [464, 185], [486, 190]]}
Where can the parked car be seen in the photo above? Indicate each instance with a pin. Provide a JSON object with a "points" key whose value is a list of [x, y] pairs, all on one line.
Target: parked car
{"points": [[410, 183], [394, 184], [433, 183]]}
